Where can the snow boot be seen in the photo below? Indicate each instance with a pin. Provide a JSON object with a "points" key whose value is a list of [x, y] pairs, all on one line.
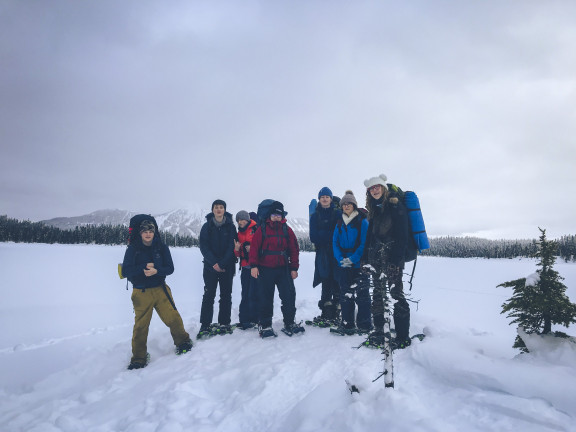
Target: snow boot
{"points": [[139, 365], [184, 347], [205, 332], [267, 332], [375, 339], [293, 329]]}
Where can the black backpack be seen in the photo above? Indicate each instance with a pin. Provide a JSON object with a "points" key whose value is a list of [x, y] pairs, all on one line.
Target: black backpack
{"points": [[134, 227]]}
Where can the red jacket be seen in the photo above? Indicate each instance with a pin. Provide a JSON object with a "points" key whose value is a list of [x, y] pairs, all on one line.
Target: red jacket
{"points": [[244, 238], [275, 241]]}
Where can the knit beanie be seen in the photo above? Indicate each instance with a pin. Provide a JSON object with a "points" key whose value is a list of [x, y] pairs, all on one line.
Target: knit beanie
{"points": [[219, 202], [380, 180], [325, 191], [349, 198], [242, 215]]}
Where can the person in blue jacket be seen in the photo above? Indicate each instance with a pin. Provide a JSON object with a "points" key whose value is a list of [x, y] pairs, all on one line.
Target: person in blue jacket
{"points": [[217, 247], [146, 264], [323, 217], [348, 243]]}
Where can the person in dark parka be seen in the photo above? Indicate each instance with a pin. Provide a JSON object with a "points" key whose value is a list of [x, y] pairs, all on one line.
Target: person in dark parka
{"points": [[217, 247], [147, 262], [323, 218], [386, 243]]}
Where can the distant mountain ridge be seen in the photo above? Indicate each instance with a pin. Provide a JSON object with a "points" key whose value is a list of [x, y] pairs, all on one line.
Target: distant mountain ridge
{"points": [[182, 221]]}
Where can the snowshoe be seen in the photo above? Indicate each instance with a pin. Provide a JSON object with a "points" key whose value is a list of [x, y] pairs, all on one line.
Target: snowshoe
{"points": [[139, 365], [246, 326], [267, 332], [221, 329], [375, 340], [184, 347], [293, 329], [322, 322], [343, 330], [205, 332]]}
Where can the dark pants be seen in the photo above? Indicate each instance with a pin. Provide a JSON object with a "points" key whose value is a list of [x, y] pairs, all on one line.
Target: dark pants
{"points": [[267, 280], [211, 280], [249, 302], [401, 308], [355, 290]]}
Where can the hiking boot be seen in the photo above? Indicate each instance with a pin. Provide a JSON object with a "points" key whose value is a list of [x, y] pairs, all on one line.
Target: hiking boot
{"points": [[344, 330], [267, 332], [139, 364], [246, 326], [184, 347], [205, 331], [293, 328], [400, 343], [223, 329], [375, 339]]}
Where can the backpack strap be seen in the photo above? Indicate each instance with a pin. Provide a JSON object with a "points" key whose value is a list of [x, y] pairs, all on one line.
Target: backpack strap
{"points": [[264, 252]]}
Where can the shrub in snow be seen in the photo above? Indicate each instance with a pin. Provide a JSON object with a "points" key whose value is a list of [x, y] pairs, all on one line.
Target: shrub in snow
{"points": [[539, 300]]}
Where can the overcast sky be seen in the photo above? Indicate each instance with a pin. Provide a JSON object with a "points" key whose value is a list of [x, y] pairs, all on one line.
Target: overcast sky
{"points": [[150, 106]]}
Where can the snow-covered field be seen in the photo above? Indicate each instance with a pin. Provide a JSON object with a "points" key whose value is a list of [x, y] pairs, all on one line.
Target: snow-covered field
{"points": [[66, 323]]}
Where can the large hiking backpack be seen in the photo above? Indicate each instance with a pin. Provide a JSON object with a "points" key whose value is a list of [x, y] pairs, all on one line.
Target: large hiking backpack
{"points": [[265, 209], [134, 227], [133, 232], [418, 238]]}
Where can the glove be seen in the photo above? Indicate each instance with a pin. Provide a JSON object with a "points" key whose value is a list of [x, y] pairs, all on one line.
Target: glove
{"points": [[312, 206], [346, 262]]}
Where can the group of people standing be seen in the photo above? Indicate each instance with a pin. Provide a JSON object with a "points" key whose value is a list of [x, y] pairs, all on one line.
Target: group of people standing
{"points": [[355, 249]]}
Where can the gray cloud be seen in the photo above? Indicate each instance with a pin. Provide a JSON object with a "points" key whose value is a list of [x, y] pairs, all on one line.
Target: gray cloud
{"points": [[149, 107]]}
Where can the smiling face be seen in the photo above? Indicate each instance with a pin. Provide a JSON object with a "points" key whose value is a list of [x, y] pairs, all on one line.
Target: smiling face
{"points": [[376, 191], [348, 208], [242, 223]]}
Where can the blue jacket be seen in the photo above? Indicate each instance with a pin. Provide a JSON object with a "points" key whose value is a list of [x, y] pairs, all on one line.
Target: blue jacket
{"points": [[138, 255], [217, 242], [345, 239], [322, 223]]}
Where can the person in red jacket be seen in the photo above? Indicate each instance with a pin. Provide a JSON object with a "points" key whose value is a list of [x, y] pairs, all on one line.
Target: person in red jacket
{"points": [[248, 313], [274, 261]]}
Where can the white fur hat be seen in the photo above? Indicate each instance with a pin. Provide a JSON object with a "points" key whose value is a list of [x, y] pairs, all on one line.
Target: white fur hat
{"points": [[380, 180]]}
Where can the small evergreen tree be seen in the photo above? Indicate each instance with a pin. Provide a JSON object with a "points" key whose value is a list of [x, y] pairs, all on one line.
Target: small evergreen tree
{"points": [[537, 304]]}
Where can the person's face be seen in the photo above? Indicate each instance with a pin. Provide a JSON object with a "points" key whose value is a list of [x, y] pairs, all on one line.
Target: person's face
{"points": [[325, 201], [348, 208], [275, 217], [376, 191], [242, 223], [218, 210], [147, 237]]}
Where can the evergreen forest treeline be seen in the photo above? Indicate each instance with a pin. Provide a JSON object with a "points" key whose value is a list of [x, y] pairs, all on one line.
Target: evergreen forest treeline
{"points": [[13, 230]]}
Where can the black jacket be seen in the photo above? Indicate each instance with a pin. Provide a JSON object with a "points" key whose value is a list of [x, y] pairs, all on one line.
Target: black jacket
{"points": [[217, 242], [138, 255]]}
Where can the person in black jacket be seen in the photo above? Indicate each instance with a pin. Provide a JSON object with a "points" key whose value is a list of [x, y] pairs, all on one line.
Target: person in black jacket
{"points": [[323, 218], [217, 247], [386, 242], [146, 264]]}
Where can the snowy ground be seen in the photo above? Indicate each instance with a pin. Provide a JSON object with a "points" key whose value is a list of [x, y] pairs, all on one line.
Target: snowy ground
{"points": [[66, 323]]}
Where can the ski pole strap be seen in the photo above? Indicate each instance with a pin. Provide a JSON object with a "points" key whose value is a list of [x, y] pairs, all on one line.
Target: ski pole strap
{"points": [[168, 295]]}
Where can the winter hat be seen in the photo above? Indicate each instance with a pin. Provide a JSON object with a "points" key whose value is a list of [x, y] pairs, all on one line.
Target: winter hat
{"points": [[253, 216], [325, 191], [242, 215], [219, 202], [277, 208], [380, 180], [147, 225], [349, 198]]}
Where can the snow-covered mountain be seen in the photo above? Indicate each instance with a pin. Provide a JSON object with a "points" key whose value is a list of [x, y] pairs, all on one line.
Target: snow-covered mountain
{"points": [[182, 221]]}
